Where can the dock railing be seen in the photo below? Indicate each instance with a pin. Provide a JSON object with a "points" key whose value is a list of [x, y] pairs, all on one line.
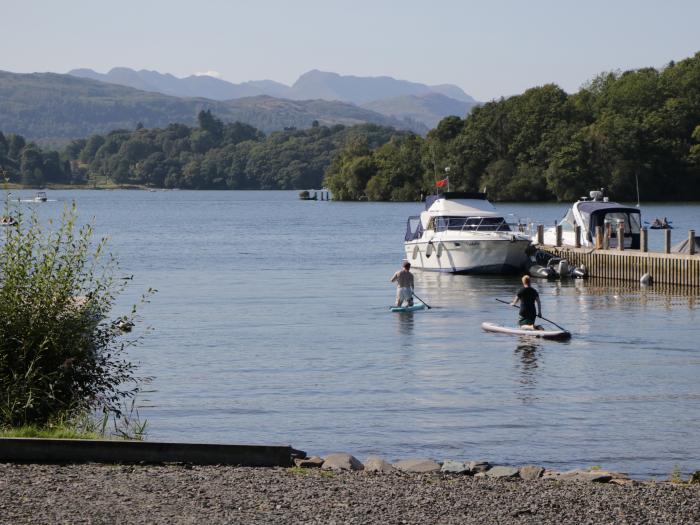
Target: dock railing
{"points": [[625, 264]]}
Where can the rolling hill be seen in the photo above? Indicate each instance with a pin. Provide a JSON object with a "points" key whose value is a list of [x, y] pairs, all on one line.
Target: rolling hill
{"points": [[52, 108], [380, 92]]}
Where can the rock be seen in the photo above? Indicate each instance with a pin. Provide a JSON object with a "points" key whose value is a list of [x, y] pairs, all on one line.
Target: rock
{"points": [[480, 474], [551, 474], [502, 472], [455, 467], [417, 465], [478, 466], [341, 461], [377, 464], [624, 482], [695, 477], [596, 476], [531, 472], [312, 462]]}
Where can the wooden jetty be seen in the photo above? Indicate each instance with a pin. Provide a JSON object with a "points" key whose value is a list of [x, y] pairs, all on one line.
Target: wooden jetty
{"points": [[624, 264]]}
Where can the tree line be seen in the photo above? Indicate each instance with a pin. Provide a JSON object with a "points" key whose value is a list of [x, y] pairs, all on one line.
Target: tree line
{"points": [[212, 155], [619, 130]]}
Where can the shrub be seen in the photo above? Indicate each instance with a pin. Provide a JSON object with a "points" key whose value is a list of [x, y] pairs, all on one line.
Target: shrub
{"points": [[60, 355]]}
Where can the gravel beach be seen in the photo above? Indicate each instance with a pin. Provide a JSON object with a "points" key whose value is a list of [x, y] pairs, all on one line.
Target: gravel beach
{"points": [[94, 493]]}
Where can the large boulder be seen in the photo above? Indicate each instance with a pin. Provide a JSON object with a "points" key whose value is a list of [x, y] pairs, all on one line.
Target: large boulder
{"points": [[417, 465], [455, 467], [478, 466], [502, 472], [341, 461], [531, 472], [596, 476], [312, 462], [377, 464]]}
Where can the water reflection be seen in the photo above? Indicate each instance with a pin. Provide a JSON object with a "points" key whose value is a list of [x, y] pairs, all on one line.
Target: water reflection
{"points": [[527, 351], [404, 323]]}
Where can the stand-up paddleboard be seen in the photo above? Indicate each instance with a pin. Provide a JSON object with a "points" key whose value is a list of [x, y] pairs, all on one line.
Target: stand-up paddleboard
{"points": [[544, 334], [413, 308]]}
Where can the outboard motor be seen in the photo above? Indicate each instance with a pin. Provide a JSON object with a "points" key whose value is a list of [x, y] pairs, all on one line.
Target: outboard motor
{"points": [[579, 272], [563, 268]]}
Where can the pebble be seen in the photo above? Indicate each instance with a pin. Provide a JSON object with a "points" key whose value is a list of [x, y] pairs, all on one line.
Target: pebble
{"points": [[225, 494]]}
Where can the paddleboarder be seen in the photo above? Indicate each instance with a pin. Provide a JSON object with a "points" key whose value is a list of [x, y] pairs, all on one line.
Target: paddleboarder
{"points": [[528, 298], [404, 282]]}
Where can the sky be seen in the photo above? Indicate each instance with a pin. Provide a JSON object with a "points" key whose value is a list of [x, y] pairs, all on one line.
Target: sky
{"points": [[489, 48]]}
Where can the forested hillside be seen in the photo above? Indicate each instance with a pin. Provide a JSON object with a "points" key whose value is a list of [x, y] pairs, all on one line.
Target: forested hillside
{"points": [[546, 144], [213, 155], [53, 109]]}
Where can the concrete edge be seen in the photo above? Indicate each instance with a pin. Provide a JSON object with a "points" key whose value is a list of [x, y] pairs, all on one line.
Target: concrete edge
{"points": [[62, 451]]}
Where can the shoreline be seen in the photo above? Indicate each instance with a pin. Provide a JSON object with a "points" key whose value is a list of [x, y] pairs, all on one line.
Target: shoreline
{"points": [[219, 494]]}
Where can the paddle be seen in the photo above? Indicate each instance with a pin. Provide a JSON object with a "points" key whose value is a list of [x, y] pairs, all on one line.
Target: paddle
{"points": [[543, 318], [422, 301]]}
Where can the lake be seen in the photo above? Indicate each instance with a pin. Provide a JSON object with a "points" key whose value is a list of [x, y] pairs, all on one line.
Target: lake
{"points": [[271, 325]]}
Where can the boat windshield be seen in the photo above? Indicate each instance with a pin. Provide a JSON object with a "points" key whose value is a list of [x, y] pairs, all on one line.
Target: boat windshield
{"points": [[631, 221], [481, 224], [568, 222]]}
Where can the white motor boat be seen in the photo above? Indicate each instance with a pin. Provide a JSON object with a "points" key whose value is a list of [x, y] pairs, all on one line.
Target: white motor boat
{"points": [[597, 210], [463, 233], [40, 196]]}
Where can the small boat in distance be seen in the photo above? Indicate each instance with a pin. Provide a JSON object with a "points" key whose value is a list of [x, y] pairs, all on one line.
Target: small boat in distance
{"points": [[40, 196], [598, 210], [661, 224], [460, 232]]}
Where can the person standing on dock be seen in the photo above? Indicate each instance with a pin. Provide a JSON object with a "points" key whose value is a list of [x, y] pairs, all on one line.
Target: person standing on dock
{"points": [[404, 282], [530, 305]]}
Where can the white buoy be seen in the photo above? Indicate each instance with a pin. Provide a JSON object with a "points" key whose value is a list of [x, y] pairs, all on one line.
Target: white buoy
{"points": [[646, 279]]}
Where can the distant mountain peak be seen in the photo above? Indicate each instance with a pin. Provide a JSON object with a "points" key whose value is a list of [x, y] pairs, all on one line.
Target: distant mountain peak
{"points": [[315, 84]]}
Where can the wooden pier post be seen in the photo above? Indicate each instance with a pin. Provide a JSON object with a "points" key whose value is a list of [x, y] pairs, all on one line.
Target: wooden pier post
{"points": [[606, 237], [598, 238], [577, 236], [540, 234], [691, 242], [644, 240], [621, 236], [558, 236], [667, 241]]}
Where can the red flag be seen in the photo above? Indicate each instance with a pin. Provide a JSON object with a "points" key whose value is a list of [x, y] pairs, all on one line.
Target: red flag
{"points": [[442, 183]]}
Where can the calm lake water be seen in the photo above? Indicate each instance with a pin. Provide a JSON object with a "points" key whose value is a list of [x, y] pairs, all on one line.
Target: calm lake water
{"points": [[271, 326]]}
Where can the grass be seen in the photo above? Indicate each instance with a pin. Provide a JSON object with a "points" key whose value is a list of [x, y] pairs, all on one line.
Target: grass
{"points": [[675, 475], [57, 432], [300, 471]]}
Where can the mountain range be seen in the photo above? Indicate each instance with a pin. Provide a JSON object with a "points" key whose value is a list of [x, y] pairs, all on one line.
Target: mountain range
{"points": [[54, 108], [399, 99]]}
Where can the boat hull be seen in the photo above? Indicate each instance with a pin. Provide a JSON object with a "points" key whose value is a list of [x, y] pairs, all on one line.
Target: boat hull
{"points": [[506, 255]]}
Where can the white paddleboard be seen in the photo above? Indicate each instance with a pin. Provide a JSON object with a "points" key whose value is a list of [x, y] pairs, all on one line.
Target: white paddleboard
{"points": [[408, 308], [544, 334]]}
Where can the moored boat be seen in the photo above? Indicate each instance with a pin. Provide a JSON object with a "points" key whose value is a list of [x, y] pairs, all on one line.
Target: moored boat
{"points": [[462, 232], [589, 213]]}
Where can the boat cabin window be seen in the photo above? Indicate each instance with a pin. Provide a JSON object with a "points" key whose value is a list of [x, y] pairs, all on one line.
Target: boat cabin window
{"points": [[493, 224], [414, 228], [631, 221]]}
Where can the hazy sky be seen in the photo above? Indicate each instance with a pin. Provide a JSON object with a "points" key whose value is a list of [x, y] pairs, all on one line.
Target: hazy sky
{"points": [[489, 48]]}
